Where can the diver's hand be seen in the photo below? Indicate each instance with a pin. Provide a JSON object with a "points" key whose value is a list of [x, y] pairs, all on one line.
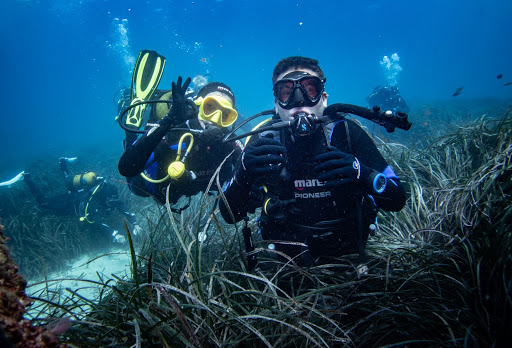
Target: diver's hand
{"points": [[339, 168], [261, 157], [210, 136], [178, 112]]}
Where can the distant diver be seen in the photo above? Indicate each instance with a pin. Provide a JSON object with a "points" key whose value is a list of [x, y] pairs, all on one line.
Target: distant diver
{"points": [[387, 98], [88, 196]]}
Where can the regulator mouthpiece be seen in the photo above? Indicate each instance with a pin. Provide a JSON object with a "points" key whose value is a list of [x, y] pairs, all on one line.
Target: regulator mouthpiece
{"points": [[302, 125]]}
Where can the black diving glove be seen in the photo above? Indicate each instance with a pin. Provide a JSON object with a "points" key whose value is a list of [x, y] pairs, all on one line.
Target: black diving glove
{"points": [[261, 157], [210, 136], [339, 169], [178, 112]]}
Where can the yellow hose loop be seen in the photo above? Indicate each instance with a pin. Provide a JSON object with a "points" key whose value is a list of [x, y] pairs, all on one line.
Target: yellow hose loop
{"points": [[189, 147], [86, 216], [154, 181]]}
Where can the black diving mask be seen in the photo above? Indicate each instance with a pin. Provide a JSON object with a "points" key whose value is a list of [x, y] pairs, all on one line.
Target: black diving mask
{"points": [[298, 88]]}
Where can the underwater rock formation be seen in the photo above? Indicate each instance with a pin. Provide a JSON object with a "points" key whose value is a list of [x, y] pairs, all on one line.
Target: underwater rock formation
{"points": [[15, 330]]}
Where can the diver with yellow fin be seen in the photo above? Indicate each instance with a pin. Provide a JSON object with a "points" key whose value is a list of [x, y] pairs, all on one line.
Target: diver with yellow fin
{"points": [[146, 76], [184, 147]]}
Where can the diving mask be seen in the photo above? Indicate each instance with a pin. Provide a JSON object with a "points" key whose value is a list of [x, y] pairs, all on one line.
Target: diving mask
{"points": [[217, 110], [298, 88]]}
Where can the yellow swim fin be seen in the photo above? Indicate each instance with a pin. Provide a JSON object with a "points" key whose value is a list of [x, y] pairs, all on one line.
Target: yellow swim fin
{"points": [[145, 79]]}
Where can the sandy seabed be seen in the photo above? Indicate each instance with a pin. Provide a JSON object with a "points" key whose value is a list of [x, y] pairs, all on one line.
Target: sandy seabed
{"points": [[79, 278]]}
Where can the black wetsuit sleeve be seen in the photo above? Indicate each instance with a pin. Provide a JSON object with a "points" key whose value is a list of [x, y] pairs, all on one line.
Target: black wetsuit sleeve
{"points": [[393, 198], [236, 195], [132, 162], [237, 154]]}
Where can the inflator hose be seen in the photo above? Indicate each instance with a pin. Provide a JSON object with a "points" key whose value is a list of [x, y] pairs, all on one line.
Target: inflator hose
{"points": [[385, 118]]}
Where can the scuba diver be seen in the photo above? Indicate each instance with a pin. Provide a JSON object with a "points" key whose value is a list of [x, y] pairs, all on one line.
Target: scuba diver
{"points": [[181, 143], [387, 98], [319, 185], [184, 147], [88, 196]]}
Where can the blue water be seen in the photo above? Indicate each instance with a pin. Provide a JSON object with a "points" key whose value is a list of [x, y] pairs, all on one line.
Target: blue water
{"points": [[63, 61]]}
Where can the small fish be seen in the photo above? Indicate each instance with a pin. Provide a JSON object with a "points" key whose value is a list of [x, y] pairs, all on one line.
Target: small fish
{"points": [[499, 76], [507, 84], [458, 91]]}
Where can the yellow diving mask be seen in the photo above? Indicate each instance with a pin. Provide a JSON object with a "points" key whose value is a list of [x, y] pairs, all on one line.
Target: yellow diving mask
{"points": [[217, 110]]}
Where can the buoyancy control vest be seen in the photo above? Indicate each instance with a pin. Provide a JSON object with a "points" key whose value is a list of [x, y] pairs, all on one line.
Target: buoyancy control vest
{"points": [[297, 206]]}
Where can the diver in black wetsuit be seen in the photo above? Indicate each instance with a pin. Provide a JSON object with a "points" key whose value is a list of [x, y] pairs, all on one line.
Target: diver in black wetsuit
{"points": [[322, 189], [155, 155], [387, 98], [88, 196]]}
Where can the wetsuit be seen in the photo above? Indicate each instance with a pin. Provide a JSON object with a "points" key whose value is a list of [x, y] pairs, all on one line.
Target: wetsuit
{"points": [[203, 160], [298, 207]]}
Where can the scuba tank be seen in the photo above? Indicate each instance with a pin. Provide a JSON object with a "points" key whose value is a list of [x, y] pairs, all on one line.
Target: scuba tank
{"points": [[82, 181]]}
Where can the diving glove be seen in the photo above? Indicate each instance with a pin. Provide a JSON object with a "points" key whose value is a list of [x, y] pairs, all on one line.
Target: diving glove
{"points": [[261, 157], [210, 136], [339, 169], [178, 112]]}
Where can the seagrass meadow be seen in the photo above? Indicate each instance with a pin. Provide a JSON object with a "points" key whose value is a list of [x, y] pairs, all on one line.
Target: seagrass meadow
{"points": [[439, 271]]}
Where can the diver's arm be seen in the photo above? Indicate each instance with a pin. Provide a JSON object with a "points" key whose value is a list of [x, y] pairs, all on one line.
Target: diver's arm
{"points": [[237, 196], [137, 186], [393, 197], [133, 161], [236, 191], [261, 157]]}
